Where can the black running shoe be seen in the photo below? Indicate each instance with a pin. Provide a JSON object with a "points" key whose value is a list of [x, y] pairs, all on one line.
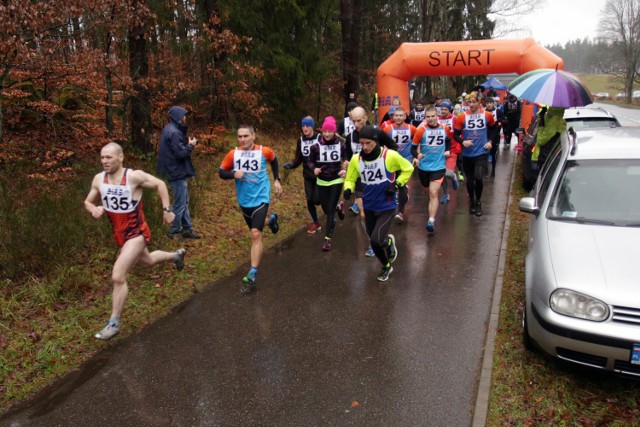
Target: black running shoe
{"points": [[190, 234], [384, 274], [393, 249], [273, 223], [478, 209], [340, 210]]}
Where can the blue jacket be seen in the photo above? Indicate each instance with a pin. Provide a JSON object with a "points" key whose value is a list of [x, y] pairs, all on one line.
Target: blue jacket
{"points": [[174, 155]]}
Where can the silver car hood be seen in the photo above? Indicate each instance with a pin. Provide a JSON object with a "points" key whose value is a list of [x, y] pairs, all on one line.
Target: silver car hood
{"points": [[600, 261]]}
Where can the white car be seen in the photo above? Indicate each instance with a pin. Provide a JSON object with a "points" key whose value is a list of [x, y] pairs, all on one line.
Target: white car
{"points": [[582, 301]]}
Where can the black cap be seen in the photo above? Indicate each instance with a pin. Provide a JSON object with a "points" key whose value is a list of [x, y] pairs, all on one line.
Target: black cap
{"points": [[351, 105], [368, 132]]}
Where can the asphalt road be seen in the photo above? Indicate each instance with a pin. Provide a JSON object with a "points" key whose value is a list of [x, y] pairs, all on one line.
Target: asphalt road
{"points": [[626, 116], [322, 342]]}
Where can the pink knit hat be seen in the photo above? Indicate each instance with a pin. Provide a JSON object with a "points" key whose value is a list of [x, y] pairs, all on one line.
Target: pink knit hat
{"points": [[329, 124]]}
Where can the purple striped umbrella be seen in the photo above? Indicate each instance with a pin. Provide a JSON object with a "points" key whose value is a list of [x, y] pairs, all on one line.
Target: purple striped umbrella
{"points": [[555, 88]]}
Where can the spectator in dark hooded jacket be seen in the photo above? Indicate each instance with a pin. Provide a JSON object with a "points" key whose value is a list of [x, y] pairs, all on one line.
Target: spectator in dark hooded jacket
{"points": [[174, 163]]}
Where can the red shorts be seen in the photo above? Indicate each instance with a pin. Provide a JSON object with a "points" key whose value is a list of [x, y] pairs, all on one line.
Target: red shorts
{"points": [[128, 225]]}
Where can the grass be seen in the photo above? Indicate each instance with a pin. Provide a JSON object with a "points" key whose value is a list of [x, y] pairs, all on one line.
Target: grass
{"points": [[530, 389], [47, 320], [600, 83]]}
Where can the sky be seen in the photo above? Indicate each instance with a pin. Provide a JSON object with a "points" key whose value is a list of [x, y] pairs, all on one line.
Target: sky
{"points": [[560, 21]]}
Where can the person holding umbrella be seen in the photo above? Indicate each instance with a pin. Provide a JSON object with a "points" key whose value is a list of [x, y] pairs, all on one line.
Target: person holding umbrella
{"points": [[552, 125], [556, 89]]}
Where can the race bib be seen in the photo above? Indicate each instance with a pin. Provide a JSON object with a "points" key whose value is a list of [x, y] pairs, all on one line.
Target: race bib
{"points": [[305, 146], [356, 147], [247, 161], [401, 136], [329, 153], [475, 121], [373, 172], [434, 137], [117, 198], [447, 122], [348, 126]]}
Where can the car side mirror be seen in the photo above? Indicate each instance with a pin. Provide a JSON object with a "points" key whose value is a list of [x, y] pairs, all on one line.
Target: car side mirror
{"points": [[519, 131], [528, 205]]}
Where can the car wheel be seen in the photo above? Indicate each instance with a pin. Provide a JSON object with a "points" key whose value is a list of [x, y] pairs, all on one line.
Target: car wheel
{"points": [[526, 338]]}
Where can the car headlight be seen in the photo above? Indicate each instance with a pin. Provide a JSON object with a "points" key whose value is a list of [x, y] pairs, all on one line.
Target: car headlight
{"points": [[575, 304]]}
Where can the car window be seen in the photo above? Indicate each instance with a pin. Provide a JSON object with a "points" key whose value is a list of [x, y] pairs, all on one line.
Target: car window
{"points": [[547, 173], [529, 137], [593, 123], [598, 191]]}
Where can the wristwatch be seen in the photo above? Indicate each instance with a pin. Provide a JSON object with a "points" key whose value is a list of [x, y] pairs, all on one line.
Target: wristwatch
{"points": [[167, 209]]}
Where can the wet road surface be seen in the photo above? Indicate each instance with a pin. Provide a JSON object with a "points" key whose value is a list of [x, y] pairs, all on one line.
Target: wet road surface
{"points": [[322, 342]]}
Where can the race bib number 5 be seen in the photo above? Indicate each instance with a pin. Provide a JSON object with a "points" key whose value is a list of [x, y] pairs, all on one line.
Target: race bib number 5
{"points": [[305, 146]]}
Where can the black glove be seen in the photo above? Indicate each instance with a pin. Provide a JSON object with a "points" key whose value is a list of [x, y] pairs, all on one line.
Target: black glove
{"points": [[288, 165], [391, 189], [347, 194]]}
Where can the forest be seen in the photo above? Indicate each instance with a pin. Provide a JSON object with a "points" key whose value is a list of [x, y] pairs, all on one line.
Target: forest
{"points": [[109, 69]]}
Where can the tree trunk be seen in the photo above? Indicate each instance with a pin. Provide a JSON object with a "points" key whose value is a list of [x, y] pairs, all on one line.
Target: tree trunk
{"points": [[109, 101], [138, 71], [351, 22], [1, 119], [211, 62], [109, 86]]}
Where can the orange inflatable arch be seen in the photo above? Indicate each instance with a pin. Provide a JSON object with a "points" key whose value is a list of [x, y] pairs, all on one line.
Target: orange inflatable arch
{"points": [[457, 58]]}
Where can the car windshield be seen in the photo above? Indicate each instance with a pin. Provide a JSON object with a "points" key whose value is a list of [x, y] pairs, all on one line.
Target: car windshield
{"points": [[594, 123], [598, 192]]}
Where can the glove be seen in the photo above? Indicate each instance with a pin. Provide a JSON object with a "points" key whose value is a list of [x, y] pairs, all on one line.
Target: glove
{"points": [[347, 194], [288, 165], [391, 189]]}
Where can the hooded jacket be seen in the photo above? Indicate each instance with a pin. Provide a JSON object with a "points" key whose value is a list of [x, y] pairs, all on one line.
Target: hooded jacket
{"points": [[174, 154], [554, 126]]}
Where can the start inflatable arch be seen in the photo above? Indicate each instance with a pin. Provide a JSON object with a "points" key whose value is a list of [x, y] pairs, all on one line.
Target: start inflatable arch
{"points": [[457, 58]]}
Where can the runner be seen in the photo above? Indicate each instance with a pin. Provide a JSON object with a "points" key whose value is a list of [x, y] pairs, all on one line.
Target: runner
{"points": [[120, 191], [451, 175], [494, 134], [417, 115], [352, 146], [471, 129], [247, 164], [346, 126], [437, 104], [402, 133], [308, 139], [325, 159], [431, 146], [389, 121], [376, 167]]}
